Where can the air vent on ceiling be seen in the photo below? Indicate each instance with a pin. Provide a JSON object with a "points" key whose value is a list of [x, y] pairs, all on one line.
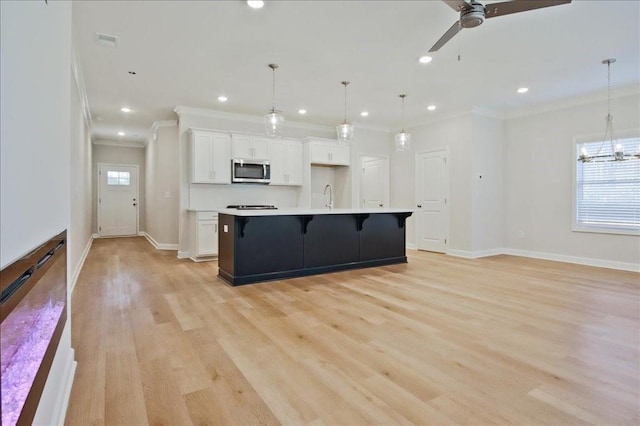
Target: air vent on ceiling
{"points": [[106, 40]]}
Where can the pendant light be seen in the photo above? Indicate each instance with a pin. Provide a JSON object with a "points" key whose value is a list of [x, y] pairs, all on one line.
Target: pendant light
{"points": [[403, 139], [616, 150], [345, 130], [273, 122]]}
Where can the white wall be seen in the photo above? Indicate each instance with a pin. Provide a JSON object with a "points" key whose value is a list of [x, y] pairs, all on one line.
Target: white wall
{"points": [[455, 134], [487, 182], [35, 154], [162, 194], [79, 236], [110, 154], [538, 181], [36, 63]]}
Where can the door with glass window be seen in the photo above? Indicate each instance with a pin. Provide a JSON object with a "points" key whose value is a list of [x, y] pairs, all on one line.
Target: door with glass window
{"points": [[117, 200]]}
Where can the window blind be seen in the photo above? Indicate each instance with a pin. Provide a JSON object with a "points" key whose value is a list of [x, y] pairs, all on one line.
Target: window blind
{"points": [[608, 193]]}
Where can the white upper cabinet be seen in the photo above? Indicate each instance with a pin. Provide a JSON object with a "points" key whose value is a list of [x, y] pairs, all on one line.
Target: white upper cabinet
{"points": [[328, 152], [250, 147], [210, 157], [285, 157]]}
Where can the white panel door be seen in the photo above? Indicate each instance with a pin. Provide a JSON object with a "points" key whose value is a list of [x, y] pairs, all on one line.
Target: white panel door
{"points": [[432, 187], [117, 200], [374, 182]]}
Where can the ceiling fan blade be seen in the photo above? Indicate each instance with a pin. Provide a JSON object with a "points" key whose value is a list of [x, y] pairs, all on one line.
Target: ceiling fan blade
{"points": [[508, 7], [457, 5], [455, 28]]}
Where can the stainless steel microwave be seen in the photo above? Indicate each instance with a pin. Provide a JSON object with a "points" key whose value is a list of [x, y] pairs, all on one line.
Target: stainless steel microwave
{"points": [[250, 171]]}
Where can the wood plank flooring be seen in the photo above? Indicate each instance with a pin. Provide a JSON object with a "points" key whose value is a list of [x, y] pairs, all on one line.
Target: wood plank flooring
{"points": [[437, 341]]}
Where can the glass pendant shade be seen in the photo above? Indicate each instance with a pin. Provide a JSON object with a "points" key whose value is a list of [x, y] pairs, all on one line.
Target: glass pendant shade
{"points": [[403, 141], [274, 121], [345, 132], [273, 124]]}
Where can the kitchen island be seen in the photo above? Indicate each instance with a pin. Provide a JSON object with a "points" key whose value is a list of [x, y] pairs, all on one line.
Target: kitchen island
{"points": [[264, 245]]}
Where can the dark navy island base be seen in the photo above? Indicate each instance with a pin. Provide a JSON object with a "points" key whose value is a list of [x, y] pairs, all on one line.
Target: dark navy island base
{"points": [[258, 247]]}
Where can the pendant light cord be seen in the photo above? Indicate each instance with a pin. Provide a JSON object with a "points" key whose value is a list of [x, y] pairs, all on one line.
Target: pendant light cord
{"points": [[273, 103], [345, 83], [402, 96]]}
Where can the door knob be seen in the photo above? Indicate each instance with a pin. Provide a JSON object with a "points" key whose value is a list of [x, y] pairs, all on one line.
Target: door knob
{"points": [[381, 205]]}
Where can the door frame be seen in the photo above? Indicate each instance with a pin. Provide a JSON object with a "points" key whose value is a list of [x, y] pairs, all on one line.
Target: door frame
{"points": [[445, 149], [387, 186], [99, 185]]}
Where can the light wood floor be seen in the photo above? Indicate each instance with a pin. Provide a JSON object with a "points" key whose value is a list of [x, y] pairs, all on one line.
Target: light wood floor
{"points": [[437, 341]]}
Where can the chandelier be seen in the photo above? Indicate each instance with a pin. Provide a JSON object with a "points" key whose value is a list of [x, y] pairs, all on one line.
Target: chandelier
{"points": [[616, 148], [273, 121], [403, 139], [345, 130]]}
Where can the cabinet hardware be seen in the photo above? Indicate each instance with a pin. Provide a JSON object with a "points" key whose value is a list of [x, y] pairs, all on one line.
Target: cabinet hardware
{"points": [[419, 206]]}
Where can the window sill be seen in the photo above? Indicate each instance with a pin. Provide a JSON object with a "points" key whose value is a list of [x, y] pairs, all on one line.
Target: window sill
{"points": [[605, 230]]}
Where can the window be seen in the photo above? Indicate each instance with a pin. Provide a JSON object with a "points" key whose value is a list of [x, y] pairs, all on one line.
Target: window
{"points": [[607, 194], [117, 178]]}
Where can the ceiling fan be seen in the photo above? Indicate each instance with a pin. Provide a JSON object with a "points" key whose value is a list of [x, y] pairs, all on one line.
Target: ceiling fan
{"points": [[474, 13]]}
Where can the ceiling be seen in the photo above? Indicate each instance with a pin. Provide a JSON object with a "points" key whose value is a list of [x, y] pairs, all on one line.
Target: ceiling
{"points": [[190, 52]]}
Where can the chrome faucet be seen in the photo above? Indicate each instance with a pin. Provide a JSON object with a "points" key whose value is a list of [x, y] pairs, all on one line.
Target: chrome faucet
{"points": [[330, 205]]}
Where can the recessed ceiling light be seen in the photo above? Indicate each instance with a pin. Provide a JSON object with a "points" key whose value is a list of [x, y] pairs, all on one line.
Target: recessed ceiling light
{"points": [[125, 109], [302, 111], [364, 114], [120, 133], [523, 90], [425, 59], [255, 4], [431, 107], [222, 98]]}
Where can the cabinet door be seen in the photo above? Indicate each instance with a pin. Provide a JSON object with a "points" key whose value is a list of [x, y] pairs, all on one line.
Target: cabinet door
{"points": [[201, 158], [340, 155], [277, 159], [293, 161], [260, 148], [221, 158], [241, 146], [207, 237], [319, 153]]}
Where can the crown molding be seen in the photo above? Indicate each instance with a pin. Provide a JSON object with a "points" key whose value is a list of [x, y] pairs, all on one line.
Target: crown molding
{"points": [[575, 101], [438, 118], [184, 110], [123, 144]]}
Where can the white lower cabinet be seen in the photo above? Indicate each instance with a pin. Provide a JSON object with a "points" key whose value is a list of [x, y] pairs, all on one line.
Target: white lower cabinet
{"points": [[205, 236]]}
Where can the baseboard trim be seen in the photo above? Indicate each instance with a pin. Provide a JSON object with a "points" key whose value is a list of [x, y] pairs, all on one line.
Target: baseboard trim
{"points": [[184, 254], [411, 246], [52, 408], [474, 254], [63, 399], [600, 263], [83, 257], [203, 259], [157, 245]]}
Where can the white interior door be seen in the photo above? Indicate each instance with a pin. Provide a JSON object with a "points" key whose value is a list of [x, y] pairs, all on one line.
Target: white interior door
{"points": [[374, 183], [117, 200], [432, 189]]}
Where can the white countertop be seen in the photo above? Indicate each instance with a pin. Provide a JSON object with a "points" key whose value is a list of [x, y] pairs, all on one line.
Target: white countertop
{"points": [[303, 212]]}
